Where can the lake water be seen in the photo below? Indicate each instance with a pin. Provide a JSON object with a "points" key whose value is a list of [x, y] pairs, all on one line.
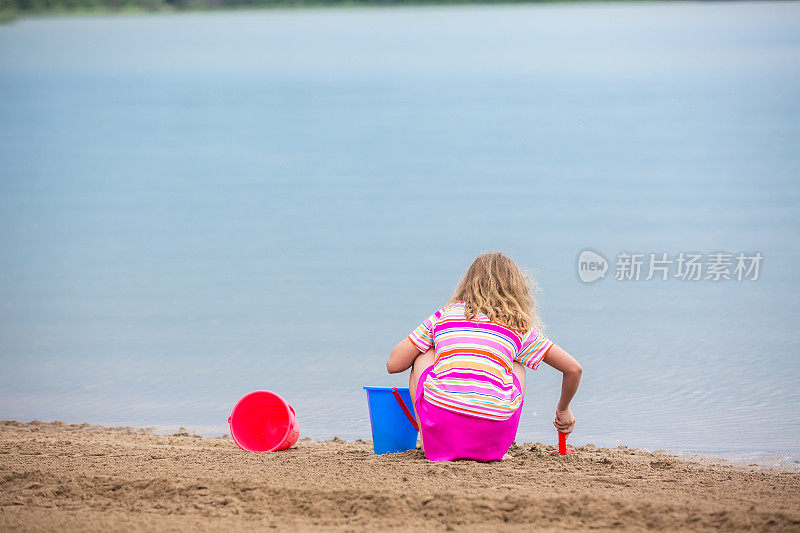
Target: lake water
{"points": [[193, 206]]}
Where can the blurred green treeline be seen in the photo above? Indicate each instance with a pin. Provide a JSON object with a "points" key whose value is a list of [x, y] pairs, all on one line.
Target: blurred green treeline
{"points": [[11, 9]]}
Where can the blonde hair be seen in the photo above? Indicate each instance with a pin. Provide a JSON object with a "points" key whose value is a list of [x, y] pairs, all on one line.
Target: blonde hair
{"points": [[495, 286]]}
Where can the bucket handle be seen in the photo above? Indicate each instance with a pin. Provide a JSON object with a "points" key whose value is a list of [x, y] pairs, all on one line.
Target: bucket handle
{"points": [[290, 408], [404, 408]]}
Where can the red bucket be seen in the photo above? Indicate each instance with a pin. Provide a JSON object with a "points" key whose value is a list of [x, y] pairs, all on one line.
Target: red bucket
{"points": [[263, 422]]}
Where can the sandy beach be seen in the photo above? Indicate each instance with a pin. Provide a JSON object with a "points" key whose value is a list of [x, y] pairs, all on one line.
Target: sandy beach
{"points": [[85, 477]]}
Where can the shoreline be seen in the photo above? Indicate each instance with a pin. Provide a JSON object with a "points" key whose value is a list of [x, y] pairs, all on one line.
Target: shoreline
{"points": [[88, 477], [780, 459]]}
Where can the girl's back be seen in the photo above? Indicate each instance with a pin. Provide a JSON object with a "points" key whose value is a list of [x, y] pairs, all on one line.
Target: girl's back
{"points": [[473, 369]]}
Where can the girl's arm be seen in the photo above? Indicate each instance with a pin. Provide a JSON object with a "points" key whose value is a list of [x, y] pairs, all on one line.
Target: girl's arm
{"points": [[561, 360], [402, 357]]}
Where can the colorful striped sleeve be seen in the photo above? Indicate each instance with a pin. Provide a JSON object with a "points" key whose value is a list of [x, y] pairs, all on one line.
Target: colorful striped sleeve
{"points": [[534, 347], [422, 336]]}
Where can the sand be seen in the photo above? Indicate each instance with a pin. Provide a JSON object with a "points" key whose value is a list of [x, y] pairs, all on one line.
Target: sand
{"points": [[57, 476]]}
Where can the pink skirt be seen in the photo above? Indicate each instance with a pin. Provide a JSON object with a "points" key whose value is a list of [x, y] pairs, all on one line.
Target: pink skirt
{"points": [[447, 436]]}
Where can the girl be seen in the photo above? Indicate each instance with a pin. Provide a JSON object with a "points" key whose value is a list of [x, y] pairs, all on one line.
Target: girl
{"points": [[469, 359]]}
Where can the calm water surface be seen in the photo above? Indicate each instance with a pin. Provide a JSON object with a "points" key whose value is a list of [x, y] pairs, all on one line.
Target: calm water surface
{"points": [[195, 206]]}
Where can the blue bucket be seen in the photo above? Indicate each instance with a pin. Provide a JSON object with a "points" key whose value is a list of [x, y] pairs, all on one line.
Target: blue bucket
{"points": [[392, 426]]}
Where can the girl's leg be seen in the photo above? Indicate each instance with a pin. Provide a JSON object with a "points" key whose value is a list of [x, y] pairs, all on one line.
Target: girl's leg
{"points": [[421, 364], [519, 371]]}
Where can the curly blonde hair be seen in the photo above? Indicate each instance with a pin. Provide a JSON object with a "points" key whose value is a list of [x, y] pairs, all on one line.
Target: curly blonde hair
{"points": [[495, 286]]}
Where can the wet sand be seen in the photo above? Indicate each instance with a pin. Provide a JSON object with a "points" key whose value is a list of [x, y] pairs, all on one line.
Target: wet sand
{"points": [[81, 477]]}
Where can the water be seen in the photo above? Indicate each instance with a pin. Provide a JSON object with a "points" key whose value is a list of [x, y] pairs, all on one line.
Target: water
{"points": [[194, 206]]}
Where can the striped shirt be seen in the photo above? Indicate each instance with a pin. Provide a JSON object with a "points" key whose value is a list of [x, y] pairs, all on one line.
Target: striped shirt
{"points": [[473, 371]]}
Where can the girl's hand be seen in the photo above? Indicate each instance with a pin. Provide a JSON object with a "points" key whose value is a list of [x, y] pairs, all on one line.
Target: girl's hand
{"points": [[564, 421]]}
